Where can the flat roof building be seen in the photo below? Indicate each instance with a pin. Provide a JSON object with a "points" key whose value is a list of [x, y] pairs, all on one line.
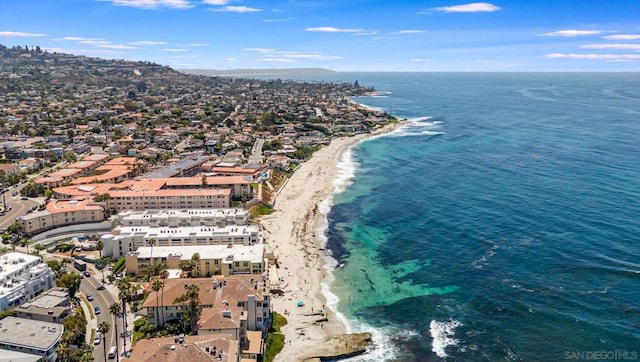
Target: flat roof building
{"points": [[213, 259], [129, 238], [30, 336], [22, 277], [51, 306], [187, 217]]}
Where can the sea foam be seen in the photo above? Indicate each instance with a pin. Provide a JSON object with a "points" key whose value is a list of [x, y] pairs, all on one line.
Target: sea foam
{"points": [[345, 175], [442, 334]]}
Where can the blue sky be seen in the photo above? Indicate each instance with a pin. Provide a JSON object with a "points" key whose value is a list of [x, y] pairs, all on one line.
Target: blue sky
{"points": [[343, 35]]}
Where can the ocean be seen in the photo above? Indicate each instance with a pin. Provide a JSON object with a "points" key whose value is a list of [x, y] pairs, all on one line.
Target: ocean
{"points": [[503, 223]]}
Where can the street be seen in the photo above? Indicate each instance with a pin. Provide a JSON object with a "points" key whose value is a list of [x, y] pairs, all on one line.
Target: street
{"points": [[102, 299]]}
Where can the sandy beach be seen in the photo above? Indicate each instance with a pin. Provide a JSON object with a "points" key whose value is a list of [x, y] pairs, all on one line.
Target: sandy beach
{"points": [[290, 232]]}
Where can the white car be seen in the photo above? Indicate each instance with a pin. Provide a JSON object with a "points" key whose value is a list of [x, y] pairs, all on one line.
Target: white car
{"points": [[97, 338]]}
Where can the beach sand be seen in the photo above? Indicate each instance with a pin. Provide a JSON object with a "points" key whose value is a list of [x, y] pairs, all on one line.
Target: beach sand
{"points": [[290, 231]]}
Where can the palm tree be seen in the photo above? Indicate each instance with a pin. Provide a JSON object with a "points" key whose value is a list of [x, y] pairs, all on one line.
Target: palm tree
{"points": [[156, 285], [151, 243], [124, 295], [115, 310], [104, 328], [180, 300], [64, 347], [193, 296], [100, 246], [195, 258]]}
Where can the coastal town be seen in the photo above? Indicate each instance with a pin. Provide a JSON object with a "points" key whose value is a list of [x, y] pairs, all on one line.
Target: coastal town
{"points": [[149, 214]]}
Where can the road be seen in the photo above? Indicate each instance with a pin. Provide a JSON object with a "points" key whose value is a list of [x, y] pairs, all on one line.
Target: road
{"points": [[256, 152], [102, 299], [18, 207]]}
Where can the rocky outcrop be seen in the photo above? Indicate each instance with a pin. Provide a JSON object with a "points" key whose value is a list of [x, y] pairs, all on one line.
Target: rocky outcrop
{"points": [[343, 346]]}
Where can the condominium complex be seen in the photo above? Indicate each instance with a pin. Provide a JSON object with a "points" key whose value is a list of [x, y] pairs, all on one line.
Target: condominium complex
{"points": [[61, 213], [129, 238], [190, 217], [22, 277], [169, 199], [212, 259], [230, 305]]}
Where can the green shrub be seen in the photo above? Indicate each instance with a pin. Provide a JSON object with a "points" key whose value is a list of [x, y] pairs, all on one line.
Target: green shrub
{"points": [[118, 266], [274, 344]]}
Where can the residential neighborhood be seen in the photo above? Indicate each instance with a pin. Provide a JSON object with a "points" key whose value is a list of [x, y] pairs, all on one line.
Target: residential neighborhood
{"points": [[130, 193]]}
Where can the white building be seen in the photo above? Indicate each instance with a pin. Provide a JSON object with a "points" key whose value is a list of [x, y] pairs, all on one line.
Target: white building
{"points": [[129, 238], [22, 277], [213, 259], [32, 337], [191, 217]]}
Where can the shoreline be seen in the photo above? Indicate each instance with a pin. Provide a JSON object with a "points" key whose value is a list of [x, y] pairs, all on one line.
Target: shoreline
{"points": [[291, 231]]}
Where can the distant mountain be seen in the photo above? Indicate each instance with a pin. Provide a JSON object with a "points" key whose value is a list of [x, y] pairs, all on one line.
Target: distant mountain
{"points": [[250, 72]]}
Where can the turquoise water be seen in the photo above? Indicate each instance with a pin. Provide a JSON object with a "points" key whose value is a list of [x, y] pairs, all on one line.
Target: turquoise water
{"points": [[503, 224]]}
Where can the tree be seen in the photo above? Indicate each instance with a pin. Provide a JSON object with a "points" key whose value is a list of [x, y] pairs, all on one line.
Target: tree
{"points": [[104, 328], [193, 297], [71, 281], [156, 285], [195, 259], [151, 243], [124, 285], [180, 300], [64, 347], [115, 310], [48, 194]]}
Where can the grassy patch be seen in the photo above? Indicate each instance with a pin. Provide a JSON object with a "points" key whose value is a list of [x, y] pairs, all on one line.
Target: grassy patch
{"points": [[274, 344], [275, 339], [86, 302], [136, 337], [93, 334], [279, 321], [260, 210]]}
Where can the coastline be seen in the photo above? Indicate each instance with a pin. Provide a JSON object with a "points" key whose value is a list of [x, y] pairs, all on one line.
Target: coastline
{"points": [[291, 232]]}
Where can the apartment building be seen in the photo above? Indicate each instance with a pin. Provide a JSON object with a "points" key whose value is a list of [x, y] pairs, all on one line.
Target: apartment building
{"points": [[190, 217], [230, 305], [22, 277], [60, 213], [129, 238], [212, 259]]}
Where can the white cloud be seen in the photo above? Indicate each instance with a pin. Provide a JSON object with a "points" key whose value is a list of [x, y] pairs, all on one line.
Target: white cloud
{"points": [[175, 50], [115, 46], [277, 60], [147, 42], [330, 29], [237, 9], [84, 51], [572, 33], [152, 4], [19, 34], [611, 46], [410, 32], [420, 60], [277, 20], [468, 8], [622, 37], [215, 2], [261, 50], [284, 54], [366, 33], [230, 59], [594, 56]]}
